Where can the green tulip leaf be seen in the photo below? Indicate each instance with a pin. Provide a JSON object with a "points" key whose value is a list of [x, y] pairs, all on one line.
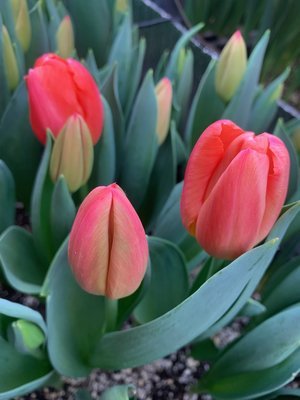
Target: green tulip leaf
{"points": [[265, 106], [245, 371], [75, 319], [140, 144], [39, 44], [21, 265], [104, 168], [17, 141], [206, 106], [62, 212], [281, 132], [41, 206], [7, 197], [162, 179], [169, 226], [4, 98], [111, 93], [89, 33], [168, 275]]}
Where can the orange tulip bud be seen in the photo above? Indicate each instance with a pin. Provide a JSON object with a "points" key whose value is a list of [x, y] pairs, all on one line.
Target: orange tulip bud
{"points": [[231, 67], [163, 91], [108, 249], [73, 153], [234, 188]]}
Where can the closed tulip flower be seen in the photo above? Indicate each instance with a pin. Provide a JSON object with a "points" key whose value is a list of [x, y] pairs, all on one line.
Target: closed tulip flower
{"points": [[234, 188], [108, 250], [59, 88], [231, 67], [163, 91]]}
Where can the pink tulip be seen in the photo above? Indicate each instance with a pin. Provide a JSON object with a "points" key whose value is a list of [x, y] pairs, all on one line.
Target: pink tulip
{"points": [[234, 188], [59, 88], [108, 249]]}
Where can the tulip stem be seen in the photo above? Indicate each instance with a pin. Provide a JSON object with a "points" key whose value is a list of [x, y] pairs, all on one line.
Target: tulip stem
{"points": [[111, 313], [213, 267]]}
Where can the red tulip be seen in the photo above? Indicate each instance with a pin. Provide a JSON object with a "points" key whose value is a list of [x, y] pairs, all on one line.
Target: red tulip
{"points": [[234, 187], [108, 250], [59, 88]]}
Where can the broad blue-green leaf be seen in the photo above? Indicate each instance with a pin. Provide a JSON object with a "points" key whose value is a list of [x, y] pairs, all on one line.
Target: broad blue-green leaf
{"points": [[93, 27], [104, 168], [140, 143], [7, 197], [169, 225], [75, 319], [182, 324], [168, 283], [16, 310], [111, 93], [281, 132], [20, 262], [17, 142], [206, 107], [120, 54], [39, 38], [265, 106], [41, 206], [239, 108], [162, 179], [245, 371], [19, 373], [62, 211], [137, 59], [285, 289], [119, 392]]}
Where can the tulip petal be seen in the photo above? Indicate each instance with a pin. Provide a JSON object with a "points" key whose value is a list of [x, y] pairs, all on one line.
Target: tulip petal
{"points": [[229, 219], [129, 248], [277, 183], [87, 92], [205, 158], [89, 241]]}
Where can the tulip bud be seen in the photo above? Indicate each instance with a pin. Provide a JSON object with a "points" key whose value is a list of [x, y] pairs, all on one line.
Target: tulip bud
{"points": [[163, 91], [65, 38], [122, 6], [73, 153], [22, 22], [108, 250], [10, 62], [231, 67], [59, 88], [234, 188]]}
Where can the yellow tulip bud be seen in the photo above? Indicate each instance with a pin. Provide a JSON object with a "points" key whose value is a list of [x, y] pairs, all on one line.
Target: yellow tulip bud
{"points": [[122, 6], [22, 22], [65, 38], [163, 91], [231, 67], [73, 153], [10, 62]]}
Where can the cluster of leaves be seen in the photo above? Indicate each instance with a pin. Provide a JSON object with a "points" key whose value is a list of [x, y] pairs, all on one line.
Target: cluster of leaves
{"points": [[81, 331]]}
